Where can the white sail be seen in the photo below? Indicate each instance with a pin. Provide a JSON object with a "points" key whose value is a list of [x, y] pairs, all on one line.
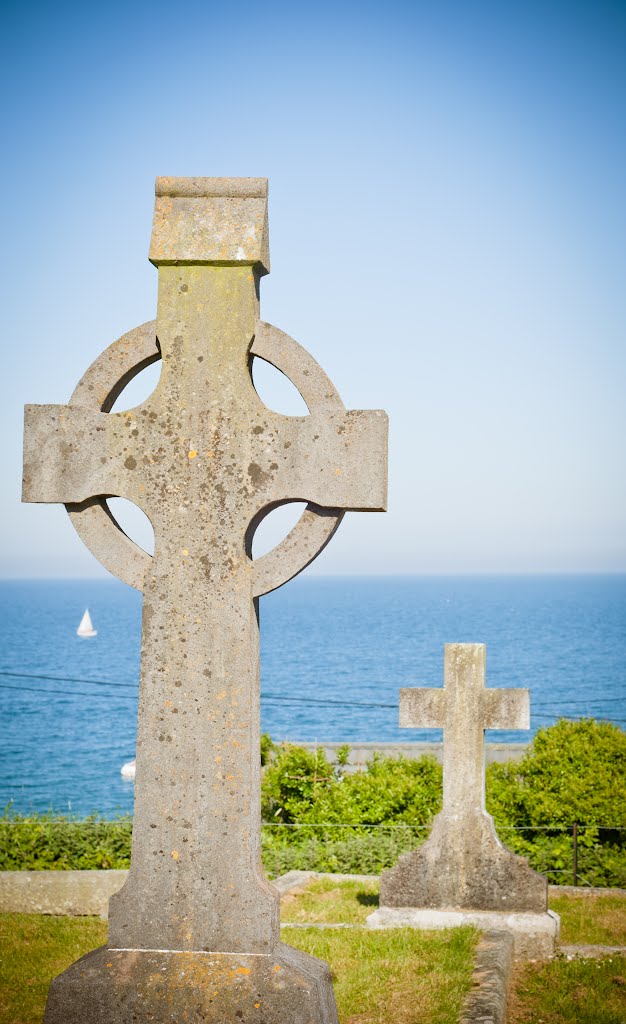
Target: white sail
{"points": [[86, 626]]}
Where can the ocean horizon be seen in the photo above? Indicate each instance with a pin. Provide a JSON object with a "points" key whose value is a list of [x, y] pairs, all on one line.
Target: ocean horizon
{"points": [[334, 652]]}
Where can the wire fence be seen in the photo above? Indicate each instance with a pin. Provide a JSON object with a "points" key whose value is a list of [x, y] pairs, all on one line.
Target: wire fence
{"points": [[541, 710], [575, 830]]}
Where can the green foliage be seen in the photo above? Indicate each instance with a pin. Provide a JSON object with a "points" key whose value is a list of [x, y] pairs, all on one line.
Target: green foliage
{"points": [[322, 818], [35, 842], [573, 773], [363, 853], [267, 748], [302, 787], [343, 754]]}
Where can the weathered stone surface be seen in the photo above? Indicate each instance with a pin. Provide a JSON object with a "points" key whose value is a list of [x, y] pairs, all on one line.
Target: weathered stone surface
{"points": [[205, 459], [58, 892], [487, 1001], [142, 987], [463, 865]]}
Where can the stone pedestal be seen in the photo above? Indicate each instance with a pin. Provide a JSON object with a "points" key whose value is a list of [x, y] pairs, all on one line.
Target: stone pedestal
{"points": [[534, 935], [110, 986], [464, 866]]}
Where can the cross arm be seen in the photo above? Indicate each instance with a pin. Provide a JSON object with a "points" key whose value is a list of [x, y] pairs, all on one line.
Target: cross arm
{"points": [[336, 460], [506, 709], [422, 708], [70, 455]]}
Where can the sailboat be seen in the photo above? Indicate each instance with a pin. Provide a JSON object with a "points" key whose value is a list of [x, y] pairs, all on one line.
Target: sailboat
{"points": [[86, 626]]}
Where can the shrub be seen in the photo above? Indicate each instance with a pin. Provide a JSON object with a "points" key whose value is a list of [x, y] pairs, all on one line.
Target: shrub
{"points": [[34, 842], [573, 773], [301, 787]]}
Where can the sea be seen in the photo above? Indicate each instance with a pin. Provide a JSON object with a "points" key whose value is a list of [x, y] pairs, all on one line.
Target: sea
{"points": [[334, 653]]}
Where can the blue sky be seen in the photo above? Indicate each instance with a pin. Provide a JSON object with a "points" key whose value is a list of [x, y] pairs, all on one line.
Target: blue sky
{"points": [[447, 224]]}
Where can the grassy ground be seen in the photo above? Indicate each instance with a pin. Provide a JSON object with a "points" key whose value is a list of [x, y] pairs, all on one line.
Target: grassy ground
{"points": [[560, 992], [375, 977], [374, 973], [591, 918], [570, 992], [33, 949], [323, 900], [577, 991]]}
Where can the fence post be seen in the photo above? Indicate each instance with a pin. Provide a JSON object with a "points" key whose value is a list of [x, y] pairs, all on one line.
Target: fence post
{"points": [[575, 852]]}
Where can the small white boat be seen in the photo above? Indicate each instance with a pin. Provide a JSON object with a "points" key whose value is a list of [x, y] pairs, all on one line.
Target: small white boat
{"points": [[128, 770], [86, 626]]}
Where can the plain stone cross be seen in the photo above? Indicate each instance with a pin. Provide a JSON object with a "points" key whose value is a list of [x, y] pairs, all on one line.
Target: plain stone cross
{"points": [[463, 863], [205, 459]]}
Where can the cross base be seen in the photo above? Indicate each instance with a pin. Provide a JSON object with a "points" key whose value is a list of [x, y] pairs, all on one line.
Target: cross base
{"points": [[464, 866], [534, 935], [112, 986]]}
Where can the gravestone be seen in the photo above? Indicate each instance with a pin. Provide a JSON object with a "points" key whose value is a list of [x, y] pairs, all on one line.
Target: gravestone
{"points": [[463, 873], [194, 933]]}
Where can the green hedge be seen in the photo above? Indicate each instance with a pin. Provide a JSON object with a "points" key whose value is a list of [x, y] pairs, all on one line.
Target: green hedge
{"points": [[34, 842], [320, 817]]}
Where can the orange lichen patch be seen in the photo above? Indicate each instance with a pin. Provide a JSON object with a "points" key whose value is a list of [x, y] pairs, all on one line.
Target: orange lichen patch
{"points": [[338, 472], [174, 854], [277, 967], [185, 552], [192, 454], [241, 970], [256, 1006]]}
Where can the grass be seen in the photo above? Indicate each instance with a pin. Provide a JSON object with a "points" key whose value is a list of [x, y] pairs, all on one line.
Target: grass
{"points": [[374, 973], [591, 918], [322, 901], [375, 976], [570, 992], [33, 950]]}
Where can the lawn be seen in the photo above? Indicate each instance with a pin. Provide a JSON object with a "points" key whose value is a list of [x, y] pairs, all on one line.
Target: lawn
{"points": [[559, 992], [374, 973], [324, 901], [570, 992], [591, 918], [402, 976], [33, 949]]}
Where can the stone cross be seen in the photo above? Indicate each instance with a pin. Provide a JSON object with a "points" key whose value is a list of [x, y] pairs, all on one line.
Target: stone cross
{"points": [[463, 864], [206, 460]]}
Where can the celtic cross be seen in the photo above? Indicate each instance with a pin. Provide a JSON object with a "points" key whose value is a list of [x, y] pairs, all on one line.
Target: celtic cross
{"points": [[206, 460]]}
